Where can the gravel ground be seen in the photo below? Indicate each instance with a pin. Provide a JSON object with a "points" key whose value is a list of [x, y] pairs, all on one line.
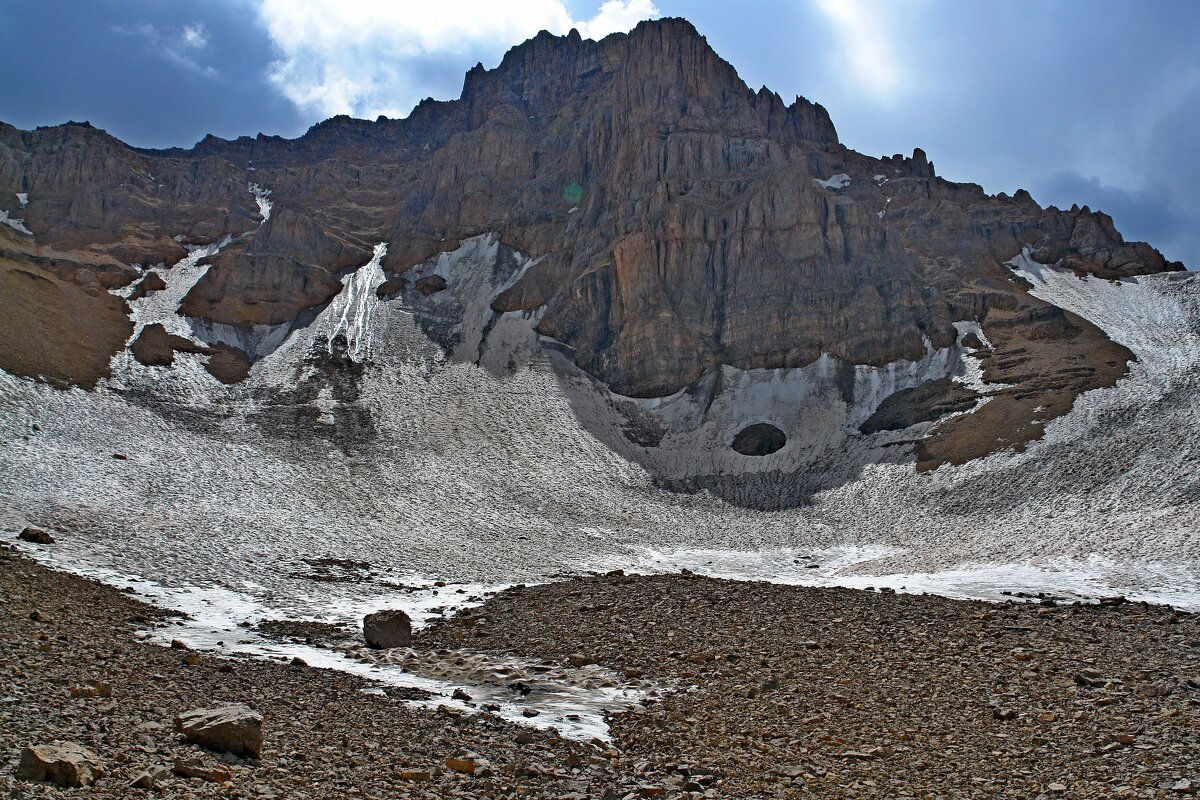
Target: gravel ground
{"points": [[772, 691]]}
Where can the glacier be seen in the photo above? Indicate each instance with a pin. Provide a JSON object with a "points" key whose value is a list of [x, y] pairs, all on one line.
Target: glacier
{"points": [[438, 440]]}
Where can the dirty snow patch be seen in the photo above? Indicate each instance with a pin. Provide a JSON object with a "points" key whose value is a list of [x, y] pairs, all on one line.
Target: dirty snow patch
{"points": [[839, 181], [17, 225]]}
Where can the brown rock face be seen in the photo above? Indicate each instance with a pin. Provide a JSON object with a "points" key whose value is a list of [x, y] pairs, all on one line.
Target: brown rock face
{"points": [[154, 347], [55, 323], [681, 221]]}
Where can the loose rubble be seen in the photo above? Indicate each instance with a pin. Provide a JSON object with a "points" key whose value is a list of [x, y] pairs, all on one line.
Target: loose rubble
{"points": [[762, 691]]}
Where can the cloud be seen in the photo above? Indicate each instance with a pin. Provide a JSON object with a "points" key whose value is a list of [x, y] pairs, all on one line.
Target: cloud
{"points": [[194, 36], [376, 56], [181, 47], [864, 43]]}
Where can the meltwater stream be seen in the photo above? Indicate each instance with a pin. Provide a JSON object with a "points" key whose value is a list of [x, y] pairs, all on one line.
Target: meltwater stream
{"points": [[571, 700]]}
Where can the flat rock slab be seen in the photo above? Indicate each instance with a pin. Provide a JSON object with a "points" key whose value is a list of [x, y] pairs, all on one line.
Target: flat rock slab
{"points": [[199, 768], [228, 728], [63, 763]]}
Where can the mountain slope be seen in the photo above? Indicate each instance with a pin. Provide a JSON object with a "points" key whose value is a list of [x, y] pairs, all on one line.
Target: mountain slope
{"points": [[671, 226]]}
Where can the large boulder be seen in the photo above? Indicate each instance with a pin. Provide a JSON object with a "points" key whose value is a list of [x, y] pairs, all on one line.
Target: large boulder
{"points": [[35, 536], [390, 628], [228, 728], [67, 764]]}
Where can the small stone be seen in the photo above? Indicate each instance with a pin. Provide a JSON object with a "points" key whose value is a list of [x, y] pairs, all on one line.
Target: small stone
{"points": [[1057, 788], [529, 712], [387, 629], [91, 689], [68, 764], [35, 536], [461, 694], [150, 777], [230, 728], [1183, 786], [415, 775], [466, 766], [198, 768]]}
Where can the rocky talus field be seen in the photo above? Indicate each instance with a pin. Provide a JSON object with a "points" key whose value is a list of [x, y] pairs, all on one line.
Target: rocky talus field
{"points": [[766, 691]]}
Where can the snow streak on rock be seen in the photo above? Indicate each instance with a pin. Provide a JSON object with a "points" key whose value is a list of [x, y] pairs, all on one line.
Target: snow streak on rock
{"points": [[263, 198], [353, 307], [162, 306]]}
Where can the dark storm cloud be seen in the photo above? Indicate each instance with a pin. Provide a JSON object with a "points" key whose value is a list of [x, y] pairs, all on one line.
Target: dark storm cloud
{"points": [[1094, 104], [133, 69]]}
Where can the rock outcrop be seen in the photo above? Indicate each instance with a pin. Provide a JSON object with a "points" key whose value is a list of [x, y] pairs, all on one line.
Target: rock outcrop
{"points": [[680, 222]]}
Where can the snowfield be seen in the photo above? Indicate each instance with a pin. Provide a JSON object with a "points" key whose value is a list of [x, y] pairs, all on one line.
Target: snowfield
{"points": [[435, 440]]}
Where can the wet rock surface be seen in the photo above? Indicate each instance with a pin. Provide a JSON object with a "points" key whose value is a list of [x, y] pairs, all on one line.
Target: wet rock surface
{"points": [[769, 691], [930, 401]]}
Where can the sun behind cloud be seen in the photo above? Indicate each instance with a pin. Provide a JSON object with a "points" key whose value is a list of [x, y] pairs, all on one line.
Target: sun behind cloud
{"points": [[369, 58]]}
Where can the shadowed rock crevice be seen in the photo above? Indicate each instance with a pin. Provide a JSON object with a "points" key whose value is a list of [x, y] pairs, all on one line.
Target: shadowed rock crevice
{"points": [[930, 401], [760, 439]]}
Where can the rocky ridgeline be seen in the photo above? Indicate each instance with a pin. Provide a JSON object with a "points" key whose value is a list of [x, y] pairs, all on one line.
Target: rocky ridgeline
{"points": [[681, 221]]}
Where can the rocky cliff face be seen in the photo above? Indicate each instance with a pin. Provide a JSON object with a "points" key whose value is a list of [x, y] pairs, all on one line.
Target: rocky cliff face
{"points": [[680, 224]]}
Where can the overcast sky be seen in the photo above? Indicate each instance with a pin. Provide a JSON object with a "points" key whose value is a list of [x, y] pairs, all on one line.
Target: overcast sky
{"points": [[1093, 102]]}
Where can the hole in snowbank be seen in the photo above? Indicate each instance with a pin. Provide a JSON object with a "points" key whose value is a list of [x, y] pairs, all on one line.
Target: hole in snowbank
{"points": [[759, 439]]}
